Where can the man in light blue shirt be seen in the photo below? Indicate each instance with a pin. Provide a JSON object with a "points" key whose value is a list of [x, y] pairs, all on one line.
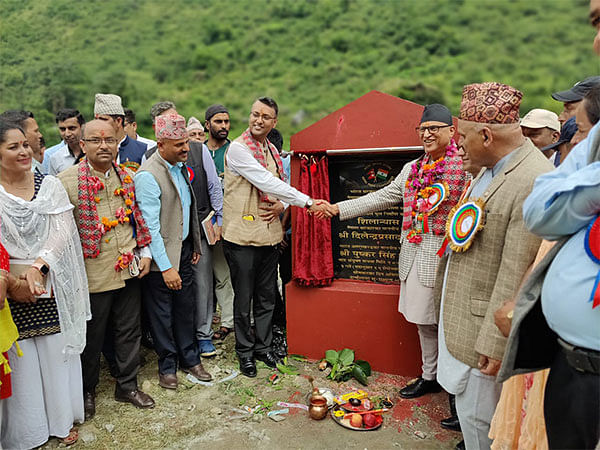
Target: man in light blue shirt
{"points": [[66, 120], [168, 204], [70, 125], [49, 152], [562, 205]]}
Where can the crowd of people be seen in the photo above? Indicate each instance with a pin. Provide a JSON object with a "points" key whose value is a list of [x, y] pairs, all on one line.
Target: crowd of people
{"points": [[109, 240]]}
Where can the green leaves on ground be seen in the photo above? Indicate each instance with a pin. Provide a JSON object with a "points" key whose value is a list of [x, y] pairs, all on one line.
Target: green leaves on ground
{"points": [[287, 369], [343, 366]]}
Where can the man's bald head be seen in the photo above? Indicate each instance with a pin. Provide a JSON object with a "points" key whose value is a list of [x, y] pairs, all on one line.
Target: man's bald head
{"points": [[98, 125], [100, 144]]}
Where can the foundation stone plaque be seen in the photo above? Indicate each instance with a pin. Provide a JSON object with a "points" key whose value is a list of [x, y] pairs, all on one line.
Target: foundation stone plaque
{"points": [[366, 248]]}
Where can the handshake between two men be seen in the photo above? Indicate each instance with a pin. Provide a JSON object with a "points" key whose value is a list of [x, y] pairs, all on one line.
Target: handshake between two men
{"points": [[322, 209]]}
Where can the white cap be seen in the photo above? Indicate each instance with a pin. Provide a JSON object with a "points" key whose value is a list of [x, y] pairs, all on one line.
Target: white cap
{"points": [[108, 104], [541, 118]]}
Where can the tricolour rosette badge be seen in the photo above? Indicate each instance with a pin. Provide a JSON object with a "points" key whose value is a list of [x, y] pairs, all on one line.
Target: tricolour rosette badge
{"points": [[438, 193], [464, 221]]}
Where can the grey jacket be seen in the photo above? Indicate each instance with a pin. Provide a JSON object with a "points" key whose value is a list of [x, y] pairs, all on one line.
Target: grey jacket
{"points": [[531, 345]]}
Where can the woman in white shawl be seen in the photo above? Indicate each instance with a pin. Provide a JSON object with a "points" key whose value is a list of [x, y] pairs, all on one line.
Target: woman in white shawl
{"points": [[39, 233]]}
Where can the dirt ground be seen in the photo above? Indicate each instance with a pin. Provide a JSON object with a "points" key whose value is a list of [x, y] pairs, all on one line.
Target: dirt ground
{"points": [[197, 416]]}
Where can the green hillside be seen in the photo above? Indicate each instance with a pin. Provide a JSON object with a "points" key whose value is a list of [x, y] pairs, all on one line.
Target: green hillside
{"points": [[313, 56]]}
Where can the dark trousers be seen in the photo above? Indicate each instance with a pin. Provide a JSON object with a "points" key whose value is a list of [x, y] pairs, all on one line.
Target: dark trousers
{"points": [[253, 277], [121, 309], [285, 272], [571, 406], [171, 315]]}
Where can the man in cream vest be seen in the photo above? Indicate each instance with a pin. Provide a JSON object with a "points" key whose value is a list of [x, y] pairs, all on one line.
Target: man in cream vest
{"points": [[254, 194], [168, 205]]}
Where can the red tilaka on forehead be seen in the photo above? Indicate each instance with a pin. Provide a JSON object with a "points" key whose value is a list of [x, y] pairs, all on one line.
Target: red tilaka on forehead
{"points": [[102, 133]]}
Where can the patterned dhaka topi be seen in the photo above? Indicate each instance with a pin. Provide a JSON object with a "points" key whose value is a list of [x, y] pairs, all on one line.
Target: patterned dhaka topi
{"points": [[170, 127], [490, 103], [108, 104], [194, 124]]}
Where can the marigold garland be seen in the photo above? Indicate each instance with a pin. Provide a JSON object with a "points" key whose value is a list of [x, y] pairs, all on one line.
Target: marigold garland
{"points": [[423, 174], [121, 217]]}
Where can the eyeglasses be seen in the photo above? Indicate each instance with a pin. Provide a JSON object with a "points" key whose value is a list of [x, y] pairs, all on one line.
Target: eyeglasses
{"points": [[433, 129], [258, 115], [98, 141]]}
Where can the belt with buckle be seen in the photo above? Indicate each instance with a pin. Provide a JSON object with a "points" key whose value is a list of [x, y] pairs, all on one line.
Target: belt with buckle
{"points": [[581, 359]]}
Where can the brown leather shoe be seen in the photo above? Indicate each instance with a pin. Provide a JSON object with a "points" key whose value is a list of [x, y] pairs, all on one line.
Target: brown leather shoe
{"points": [[136, 397], [167, 380], [199, 372], [89, 405]]}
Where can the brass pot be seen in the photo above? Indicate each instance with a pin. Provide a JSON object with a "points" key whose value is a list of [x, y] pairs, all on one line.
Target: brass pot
{"points": [[318, 407]]}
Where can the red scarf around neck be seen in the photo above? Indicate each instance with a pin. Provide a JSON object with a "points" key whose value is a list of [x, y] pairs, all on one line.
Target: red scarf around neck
{"points": [[456, 179], [90, 230], [258, 154]]}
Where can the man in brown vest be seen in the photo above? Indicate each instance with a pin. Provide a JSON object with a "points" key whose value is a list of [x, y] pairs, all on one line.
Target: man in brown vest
{"points": [[168, 205], [254, 194]]}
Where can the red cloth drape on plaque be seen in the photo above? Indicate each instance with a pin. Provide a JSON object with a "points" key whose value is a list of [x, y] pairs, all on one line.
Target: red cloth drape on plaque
{"points": [[313, 259]]}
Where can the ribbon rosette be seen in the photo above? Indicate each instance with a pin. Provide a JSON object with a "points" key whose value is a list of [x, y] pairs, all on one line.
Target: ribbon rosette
{"points": [[592, 248]]}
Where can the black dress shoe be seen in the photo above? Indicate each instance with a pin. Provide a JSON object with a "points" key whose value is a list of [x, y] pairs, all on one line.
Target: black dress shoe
{"points": [[136, 397], [419, 388], [268, 358], [461, 446], [451, 423], [147, 340], [89, 405], [247, 366]]}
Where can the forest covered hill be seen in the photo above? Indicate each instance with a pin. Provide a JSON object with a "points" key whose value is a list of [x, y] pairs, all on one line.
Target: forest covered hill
{"points": [[312, 56]]}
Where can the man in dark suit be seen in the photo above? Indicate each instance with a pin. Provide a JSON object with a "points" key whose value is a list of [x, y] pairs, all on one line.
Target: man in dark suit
{"points": [[108, 107]]}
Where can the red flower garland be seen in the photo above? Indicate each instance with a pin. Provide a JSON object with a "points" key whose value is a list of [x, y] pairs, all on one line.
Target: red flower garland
{"points": [[423, 174]]}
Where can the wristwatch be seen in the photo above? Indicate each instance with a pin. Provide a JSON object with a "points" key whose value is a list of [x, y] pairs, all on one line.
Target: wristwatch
{"points": [[309, 203], [43, 268]]}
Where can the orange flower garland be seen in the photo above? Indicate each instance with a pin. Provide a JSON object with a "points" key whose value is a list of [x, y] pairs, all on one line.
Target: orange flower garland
{"points": [[121, 217]]}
